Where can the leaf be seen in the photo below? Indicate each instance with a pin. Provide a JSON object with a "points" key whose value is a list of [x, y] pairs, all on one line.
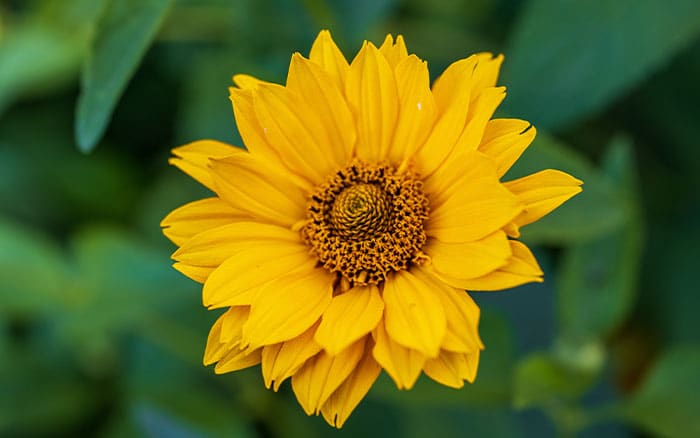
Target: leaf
{"points": [[44, 52], [598, 280], [667, 404], [568, 59], [542, 379], [126, 31], [32, 271], [598, 210]]}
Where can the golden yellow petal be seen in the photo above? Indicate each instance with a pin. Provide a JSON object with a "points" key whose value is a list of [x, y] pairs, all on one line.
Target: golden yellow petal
{"points": [[521, 268], [469, 259], [213, 247], [346, 398], [193, 159], [314, 383], [350, 316], [480, 112], [184, 222], [325, 53], [413, 313], [447, 369], [250, 185], [486, 70], [326, 100], [287, 306], [373, 98], [238, 360], [402, 364], [247, 82], [461, 312], [280, 361], [417, 111], [237, 280], [505, 140], [542, 192], [215, 349], [232, 324], [196, 273], [394, 53]]}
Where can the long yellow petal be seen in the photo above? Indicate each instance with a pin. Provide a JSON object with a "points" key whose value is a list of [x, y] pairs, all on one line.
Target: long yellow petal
{"points": [[286, 307], [417, 110], [184, 222], [325, 53], [542, 192], [250, 185], [394, 52], [350, 316], [237, 280], [196, 273], [505, 140], [215, 349], [447, 369], [280, 361], [414, 315], [193, 159], [521, 268], [402, 364], [238, 360], [480, 112], [373, 98], [232, 324], [213, 247], [326, 100], [346, 398], [314, 383], [469, 259]]}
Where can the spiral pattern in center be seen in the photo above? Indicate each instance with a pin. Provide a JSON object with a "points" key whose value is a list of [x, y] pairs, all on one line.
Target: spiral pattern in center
{"points": [[361, 212]]}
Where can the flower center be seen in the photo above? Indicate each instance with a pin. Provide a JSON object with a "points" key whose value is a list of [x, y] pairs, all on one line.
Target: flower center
{"points": [[366, 221]]}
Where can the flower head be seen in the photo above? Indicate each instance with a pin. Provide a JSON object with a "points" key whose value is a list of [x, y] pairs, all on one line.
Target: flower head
{"points": [[342, 240]]}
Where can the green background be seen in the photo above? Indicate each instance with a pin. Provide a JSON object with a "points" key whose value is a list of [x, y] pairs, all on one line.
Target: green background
{"points": [[99, 336]]}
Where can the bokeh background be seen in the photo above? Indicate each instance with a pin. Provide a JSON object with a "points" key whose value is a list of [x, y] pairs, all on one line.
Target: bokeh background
{"points": [[99, 336]]}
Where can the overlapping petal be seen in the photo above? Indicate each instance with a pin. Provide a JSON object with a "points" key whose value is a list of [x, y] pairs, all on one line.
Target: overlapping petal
{"points": [[185, 222], [193, 159]]}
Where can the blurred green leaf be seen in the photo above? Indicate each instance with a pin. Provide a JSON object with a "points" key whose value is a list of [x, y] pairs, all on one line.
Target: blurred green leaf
{"points": [[599, 209], [32, 270], [667, 404], [45, 51], [598, 279], [492, 386], [125, 32], [542, 379], [570, 58]]}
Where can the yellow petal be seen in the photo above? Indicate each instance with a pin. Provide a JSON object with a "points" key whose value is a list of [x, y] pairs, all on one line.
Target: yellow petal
{"points": [[346, 398], [196, 273], [326, 100], [478, 207], [286, 307], [469, 259], [193, 159], [247, 82], [414, 315], [521, 268], [402, 364], [462, 314], [447, 369], [250, 185], [232, 324], [394, 53], [314, 383], [373, 98], [542, 192], [325, 53], [452, 92], [294, 132], [198, 216], [472, 366], [416, 111], [480, 111], [505, 140], [213, 247], [486, 70], [280, 361], [350, 316], [215, 349], [238, 360], [237, 280]]}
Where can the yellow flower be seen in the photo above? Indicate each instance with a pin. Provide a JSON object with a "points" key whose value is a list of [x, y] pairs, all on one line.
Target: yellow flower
{"points": [[342, 240]]}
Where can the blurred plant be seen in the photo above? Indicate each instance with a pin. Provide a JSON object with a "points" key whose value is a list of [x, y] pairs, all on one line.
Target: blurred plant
{"points": [[98, 336]]}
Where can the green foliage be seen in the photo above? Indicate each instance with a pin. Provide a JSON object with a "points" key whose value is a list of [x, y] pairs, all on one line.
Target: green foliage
{"points": [[126, 31], [100, 336], [577, 56]]}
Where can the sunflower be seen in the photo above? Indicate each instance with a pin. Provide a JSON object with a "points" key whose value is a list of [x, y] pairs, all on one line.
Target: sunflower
{"points": [[341, 240]]}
